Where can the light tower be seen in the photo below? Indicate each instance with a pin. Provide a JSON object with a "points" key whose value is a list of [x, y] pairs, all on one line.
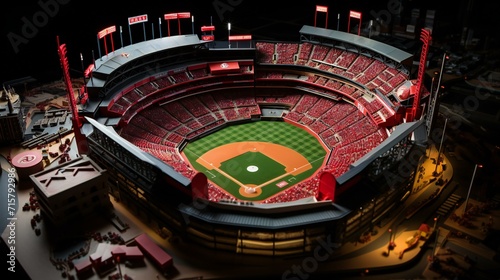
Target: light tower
{"points": [[81, 141], [229, 34], [415, 111]]}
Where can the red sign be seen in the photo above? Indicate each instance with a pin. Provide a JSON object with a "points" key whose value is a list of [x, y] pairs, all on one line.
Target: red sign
{"points": [[207, 28], [224, 67], [207, 37], [176, 15], [137, 19], [170, 16], [106, 31], [240, 37], [184, 15], [323, 9], [355, 14]]}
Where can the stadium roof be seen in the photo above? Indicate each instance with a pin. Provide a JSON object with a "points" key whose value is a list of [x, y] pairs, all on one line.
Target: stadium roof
{"points": [[106, 64], [353, 39], [140, 154], [400, 132], [61, 178], [266, 221]]}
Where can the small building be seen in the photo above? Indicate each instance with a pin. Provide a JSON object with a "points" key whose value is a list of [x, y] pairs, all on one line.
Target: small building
{"points": [[107, 255], [12, 124], [102, 259], [127, 253], [72, 191], [118, 252], [83, 266], [156, 254]]}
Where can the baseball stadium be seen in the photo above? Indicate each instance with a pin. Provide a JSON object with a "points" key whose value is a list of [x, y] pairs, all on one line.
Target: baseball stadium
{"points": [[256, 146]]}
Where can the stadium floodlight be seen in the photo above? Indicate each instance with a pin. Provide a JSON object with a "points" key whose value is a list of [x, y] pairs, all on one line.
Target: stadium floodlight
{"points": [[178, 16], [354, 14], [159, 26], [121, 36], [81, 140], [137, 19], [83, 70], [102, 35], [205, 36], [443, 61], [470, 187], [169, 17], [415, 111], [389, 247], [229, 34], [435, 173], [436, 240], [370, 25], [192, 24], [321, 9]]}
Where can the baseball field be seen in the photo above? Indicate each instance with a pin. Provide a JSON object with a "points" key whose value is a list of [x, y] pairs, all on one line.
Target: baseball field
{"points": [[257, 160]]}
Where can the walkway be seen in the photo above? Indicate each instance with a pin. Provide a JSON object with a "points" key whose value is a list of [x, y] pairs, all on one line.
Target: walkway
{"points": [[378, 256]]}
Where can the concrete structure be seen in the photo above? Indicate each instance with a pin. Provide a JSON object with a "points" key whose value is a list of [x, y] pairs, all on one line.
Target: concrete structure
{"points": [[11, 118], [71, 190], [160, 187]]}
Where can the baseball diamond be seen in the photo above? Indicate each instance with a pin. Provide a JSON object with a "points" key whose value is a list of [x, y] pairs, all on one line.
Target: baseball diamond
{"points": [[256, 160]]}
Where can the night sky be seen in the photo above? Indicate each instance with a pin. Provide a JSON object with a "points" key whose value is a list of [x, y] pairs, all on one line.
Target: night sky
{"points": [[30, 28]]}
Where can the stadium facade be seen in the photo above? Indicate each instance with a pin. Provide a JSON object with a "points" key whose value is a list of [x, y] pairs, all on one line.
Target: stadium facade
{"points": [[148, 100]]}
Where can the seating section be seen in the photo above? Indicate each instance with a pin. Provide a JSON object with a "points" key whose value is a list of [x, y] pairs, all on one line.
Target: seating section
{"points": [[172, 82], [351, 65], [286, 53], [266, 52], [342, 109], [159, 130], [331, 86], [301, 190], [343, 128]]}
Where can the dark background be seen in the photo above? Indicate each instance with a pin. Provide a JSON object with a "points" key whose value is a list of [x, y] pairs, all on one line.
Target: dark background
{"points": [[77, 22]]}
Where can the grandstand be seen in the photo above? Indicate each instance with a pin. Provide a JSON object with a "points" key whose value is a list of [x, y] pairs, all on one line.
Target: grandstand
{"points": [[150, 100]]}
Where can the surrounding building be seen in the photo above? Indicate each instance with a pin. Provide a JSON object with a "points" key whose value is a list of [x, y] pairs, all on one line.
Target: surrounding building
{"points": [[12, 125], [71, 191]]}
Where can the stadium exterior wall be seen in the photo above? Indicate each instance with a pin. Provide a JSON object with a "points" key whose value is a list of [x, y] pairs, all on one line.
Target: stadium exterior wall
{"points": [[164, 200], [167, 209]]}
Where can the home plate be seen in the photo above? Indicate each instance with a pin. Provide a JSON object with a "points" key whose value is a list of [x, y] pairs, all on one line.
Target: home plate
{"points": [[250, 190], [252, 168]]}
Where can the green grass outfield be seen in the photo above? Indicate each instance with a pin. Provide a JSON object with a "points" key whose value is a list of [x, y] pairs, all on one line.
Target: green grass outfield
{"points": [[276, 132]]}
